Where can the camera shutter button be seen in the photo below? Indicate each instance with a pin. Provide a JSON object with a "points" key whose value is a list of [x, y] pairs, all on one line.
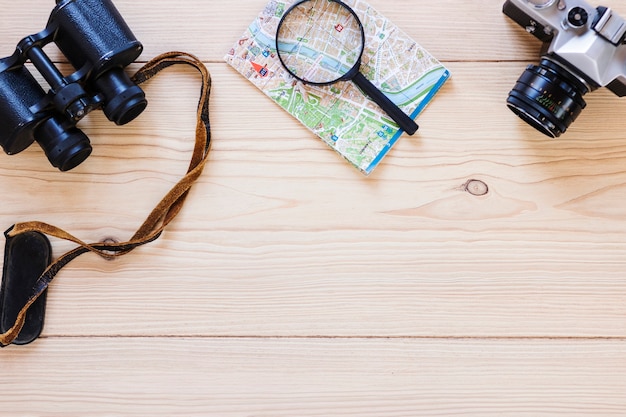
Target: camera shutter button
{"points": [[578, 17]]}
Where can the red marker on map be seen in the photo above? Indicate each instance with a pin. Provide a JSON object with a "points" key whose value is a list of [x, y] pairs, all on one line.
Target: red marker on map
{"points": [[263, 72]]}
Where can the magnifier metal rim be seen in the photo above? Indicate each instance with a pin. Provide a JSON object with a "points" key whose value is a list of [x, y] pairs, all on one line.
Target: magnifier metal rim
{"points": [[348, 75]]}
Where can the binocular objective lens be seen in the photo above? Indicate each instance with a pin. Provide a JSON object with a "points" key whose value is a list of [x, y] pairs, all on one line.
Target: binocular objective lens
{"points": [[548, 98], [124, 100], [65, 146]]}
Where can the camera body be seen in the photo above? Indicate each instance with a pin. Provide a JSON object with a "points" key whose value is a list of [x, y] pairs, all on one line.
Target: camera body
{"points": [[585, 49], [96, 41]]}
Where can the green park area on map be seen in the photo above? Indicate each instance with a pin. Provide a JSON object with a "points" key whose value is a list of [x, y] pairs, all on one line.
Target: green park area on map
{"points": [[340, 114]]}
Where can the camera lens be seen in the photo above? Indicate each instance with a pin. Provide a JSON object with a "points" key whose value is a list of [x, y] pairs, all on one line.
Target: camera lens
{"points": [[124, 100], [65, 146], [548, 97]]}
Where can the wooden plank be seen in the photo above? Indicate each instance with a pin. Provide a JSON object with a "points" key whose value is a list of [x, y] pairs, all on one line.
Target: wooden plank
{"points": [[314, 377]]}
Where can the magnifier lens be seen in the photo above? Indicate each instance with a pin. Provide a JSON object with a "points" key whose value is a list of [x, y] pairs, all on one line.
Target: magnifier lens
{"points": [[320, 41]]}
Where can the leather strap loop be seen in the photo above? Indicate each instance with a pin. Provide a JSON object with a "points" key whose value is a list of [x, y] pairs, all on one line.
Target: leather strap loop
{"points": [[165, 211]]}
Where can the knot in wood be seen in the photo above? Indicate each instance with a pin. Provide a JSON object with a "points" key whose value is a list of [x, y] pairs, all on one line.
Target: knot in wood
{"points": [[110, 241], [476, 187]]}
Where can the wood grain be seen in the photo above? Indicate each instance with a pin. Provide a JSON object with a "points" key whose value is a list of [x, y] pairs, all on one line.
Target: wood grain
{"points": [[292, 285], [319, 377]]}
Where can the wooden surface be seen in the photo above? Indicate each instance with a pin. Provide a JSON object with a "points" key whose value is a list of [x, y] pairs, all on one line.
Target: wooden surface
{"points": [[292, 285]]}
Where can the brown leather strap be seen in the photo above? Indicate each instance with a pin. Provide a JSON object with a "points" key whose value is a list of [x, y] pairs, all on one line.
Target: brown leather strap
{"points": [[159, 218]]}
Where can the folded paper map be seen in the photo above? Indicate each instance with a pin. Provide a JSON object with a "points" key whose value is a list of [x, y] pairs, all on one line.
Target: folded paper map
{"points": [[341, 115]]}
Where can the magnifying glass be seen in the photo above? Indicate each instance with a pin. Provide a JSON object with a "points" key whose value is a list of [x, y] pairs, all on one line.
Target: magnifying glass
{"points": [[321, 42]]}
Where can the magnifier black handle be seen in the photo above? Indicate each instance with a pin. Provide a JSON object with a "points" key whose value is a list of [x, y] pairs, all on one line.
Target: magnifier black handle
{"points": [[405, 122]]}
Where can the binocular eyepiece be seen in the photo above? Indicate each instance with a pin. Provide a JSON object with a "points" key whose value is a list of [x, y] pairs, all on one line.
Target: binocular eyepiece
{"points": [[99, 45]]}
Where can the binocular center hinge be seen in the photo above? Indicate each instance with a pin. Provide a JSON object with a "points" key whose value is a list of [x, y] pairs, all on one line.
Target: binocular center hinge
{"points": [[38, 40]]}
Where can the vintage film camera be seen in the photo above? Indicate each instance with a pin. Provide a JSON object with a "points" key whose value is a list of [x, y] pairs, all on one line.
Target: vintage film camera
{"points": [[99, 45], [585, 50]]}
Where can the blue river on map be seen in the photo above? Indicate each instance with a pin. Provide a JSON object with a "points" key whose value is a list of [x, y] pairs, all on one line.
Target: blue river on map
{"points": [[327, 62]]}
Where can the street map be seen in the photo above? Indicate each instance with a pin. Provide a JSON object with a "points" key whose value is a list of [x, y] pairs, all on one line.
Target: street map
{"points": [[340, 114]]}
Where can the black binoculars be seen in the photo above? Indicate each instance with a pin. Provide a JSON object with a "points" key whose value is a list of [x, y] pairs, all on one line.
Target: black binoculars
{"points": [[99, 45]]}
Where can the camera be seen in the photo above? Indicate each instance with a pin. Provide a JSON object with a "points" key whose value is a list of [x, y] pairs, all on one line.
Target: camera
{"points": [[584, 49], [98, 44]]}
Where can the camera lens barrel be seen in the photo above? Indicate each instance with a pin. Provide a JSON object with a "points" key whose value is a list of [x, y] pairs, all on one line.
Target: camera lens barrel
{"points": [[548, 97]]}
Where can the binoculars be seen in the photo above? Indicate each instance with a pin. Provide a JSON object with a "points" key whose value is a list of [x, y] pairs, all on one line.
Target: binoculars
{"points": [[96, 41]]}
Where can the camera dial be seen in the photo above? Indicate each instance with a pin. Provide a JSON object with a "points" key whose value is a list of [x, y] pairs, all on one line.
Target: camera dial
{"points": [[578, 17]]}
